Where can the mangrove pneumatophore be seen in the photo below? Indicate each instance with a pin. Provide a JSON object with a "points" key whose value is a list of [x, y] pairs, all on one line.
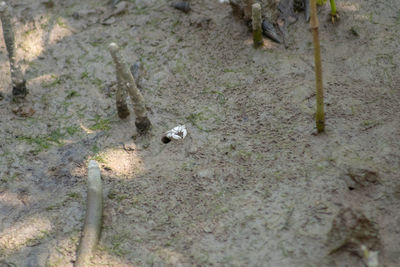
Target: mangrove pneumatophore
{"points": [[126, 82], [17, 78]]}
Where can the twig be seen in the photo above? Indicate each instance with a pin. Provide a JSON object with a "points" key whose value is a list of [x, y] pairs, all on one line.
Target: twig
{"points": [[94, 212]]}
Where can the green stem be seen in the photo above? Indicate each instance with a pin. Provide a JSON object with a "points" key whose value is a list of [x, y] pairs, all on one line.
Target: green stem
{"points": [[333, 8]]}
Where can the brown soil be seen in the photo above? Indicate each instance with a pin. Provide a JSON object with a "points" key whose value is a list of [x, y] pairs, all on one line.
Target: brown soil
{"points": [[251, 185]]}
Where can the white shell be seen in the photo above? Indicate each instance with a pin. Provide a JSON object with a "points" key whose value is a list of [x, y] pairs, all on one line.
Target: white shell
{"points": [[177, 133]]}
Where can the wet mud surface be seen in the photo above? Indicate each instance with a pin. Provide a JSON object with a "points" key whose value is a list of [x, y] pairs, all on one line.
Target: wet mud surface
{"points": [[250, 185]]}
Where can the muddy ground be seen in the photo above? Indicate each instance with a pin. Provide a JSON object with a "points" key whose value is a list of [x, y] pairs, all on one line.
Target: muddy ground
{"points": [[252, 184]]}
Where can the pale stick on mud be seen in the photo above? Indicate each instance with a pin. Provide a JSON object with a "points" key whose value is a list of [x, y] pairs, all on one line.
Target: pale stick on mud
{"points": [[257, 33], [142, 122], [17, 78], [94, 212]]}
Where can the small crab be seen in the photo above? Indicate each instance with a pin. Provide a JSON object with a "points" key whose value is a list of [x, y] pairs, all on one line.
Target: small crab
{"points": [[177, 133]]}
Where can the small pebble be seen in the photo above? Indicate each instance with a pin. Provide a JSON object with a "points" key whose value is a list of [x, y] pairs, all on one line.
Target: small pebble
{"points": [[182, 6]]}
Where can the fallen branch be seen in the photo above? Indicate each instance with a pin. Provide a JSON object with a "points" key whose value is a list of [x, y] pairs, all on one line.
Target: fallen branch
{"points": [[94, 212], [127, 82], [17, 78]]}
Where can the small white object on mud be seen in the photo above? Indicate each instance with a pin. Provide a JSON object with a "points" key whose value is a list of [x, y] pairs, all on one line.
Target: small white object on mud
{"points": [[177, 133]]}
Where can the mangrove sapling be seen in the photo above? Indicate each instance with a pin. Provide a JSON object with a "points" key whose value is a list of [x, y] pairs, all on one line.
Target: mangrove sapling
{"points": [[94, 212], [334, 14], [320, 115], [128, 84], [17, 78], [257, 33]]}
